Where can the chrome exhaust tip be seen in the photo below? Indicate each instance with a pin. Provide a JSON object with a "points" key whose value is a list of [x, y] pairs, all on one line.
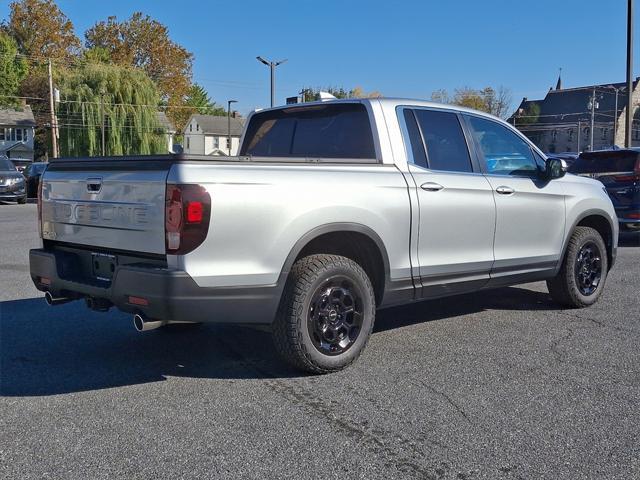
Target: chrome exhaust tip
{"points": [[53, 301], [144, 324]]}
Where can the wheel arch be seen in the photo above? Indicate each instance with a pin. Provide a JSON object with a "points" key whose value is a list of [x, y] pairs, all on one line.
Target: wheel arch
{"points": [[352, 240], [600, 221]]}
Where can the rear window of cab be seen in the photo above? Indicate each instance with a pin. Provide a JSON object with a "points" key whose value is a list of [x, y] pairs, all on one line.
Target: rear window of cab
{"points": [[341, 130]]}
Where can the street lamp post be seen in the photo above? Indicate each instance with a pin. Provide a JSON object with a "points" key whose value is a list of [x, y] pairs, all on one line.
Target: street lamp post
{"points": [[272, 66], [229, 102], [629, 116]]}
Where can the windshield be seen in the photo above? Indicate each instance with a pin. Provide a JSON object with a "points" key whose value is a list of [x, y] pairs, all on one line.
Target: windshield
{"points": [[6, 165]]}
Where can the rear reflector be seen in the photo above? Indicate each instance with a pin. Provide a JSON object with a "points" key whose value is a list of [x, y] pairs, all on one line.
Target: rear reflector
{"points": [[138, 301], [633, 215], [194, 212], [187, 215]]}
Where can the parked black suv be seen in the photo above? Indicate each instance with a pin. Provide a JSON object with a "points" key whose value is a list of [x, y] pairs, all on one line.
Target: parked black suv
{"points": [[619, 171], [33, 173]]}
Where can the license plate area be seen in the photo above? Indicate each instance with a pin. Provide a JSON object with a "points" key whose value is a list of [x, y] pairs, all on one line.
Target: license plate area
{"points": [[103, 266]]}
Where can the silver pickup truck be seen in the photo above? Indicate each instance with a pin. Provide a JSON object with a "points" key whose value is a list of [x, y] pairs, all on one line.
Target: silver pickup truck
{"points": [[331, 211]]}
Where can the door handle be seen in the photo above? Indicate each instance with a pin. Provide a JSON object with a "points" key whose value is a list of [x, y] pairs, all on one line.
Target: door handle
{"points": [[504, 190], [431, 187]]}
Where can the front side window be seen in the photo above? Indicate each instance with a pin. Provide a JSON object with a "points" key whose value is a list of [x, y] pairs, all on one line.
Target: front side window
{"points": [[505, 153]]}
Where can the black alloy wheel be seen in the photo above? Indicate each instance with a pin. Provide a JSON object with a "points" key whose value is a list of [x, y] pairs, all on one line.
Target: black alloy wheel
{"points": [[335, 315], [588, 268]]}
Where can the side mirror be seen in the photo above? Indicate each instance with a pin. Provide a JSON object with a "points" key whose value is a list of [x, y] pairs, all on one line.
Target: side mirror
{"points": [[556, 168]]}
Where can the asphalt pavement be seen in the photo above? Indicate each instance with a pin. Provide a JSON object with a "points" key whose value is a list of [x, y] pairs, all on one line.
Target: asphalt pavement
{"points": [[500, 384]]}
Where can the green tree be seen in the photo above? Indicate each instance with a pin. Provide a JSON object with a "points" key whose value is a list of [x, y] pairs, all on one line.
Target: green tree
{"points": [[13, 69], [494, 101], [41, 30], [96, 55], [530, 115], [144, 43], [125, 97], [313, 94], [198, 98], [469, 98]]}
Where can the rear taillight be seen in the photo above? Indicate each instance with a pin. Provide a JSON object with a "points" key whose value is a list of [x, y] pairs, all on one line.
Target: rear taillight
{"points": [[40, 207], [633, 215], [187, 215]]}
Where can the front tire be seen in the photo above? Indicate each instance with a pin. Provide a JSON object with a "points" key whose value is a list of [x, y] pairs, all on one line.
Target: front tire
{"points": [[326, 314], [584, 270]]}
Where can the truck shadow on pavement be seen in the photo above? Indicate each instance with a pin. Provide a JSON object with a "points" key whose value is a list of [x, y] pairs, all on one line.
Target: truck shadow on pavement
{"points": [[49, 351]]}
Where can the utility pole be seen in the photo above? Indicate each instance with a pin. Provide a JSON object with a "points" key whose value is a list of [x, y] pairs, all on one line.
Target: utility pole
{"points": [[593, 104], [102, 122], [615, 118], [578, 136], [54, 136], [229, 102], [272, 66], [629, 117]]}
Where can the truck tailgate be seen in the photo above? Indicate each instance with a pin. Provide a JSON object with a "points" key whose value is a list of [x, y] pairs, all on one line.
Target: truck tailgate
{"points": [[112, 206]]}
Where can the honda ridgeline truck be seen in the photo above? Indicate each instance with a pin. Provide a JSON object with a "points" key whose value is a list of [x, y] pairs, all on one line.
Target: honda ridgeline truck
{"points": [[331, 211]]}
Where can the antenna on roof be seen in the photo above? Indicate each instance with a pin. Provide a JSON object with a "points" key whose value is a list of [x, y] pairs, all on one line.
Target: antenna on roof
{"points": [[326, 96]]}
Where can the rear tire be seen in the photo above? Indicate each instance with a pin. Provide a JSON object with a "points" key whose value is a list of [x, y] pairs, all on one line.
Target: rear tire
{"points": [[326, 314], [581, 278], [22, 200]]}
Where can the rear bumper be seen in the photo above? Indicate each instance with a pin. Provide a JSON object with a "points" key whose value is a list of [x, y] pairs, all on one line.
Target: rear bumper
{"points": [[171, 294]]}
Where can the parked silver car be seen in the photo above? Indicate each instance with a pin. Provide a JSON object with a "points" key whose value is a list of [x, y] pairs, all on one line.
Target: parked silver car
{"points": [[332, 210]]}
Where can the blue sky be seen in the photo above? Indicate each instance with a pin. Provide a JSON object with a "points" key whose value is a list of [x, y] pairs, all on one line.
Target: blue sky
{"points": [[400, 48]]}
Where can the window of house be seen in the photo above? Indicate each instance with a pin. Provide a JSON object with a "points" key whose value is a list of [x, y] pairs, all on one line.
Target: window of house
{"points": [[228, 144], [191, 127], [18, 134], [504, 152], [1, 134], [197, 127], [570, 135], [605, 132], [188, 146], [25, 135], [216, 142], [554, 135]]}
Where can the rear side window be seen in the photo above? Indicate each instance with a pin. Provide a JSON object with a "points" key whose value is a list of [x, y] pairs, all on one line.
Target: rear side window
{"points": [[437, 140], [603, 162], [318, 131]]}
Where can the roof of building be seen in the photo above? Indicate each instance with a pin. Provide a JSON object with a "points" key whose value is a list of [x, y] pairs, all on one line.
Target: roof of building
{"points": [[165, 123], [21, 117], [215, 125], [566, 105]]}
